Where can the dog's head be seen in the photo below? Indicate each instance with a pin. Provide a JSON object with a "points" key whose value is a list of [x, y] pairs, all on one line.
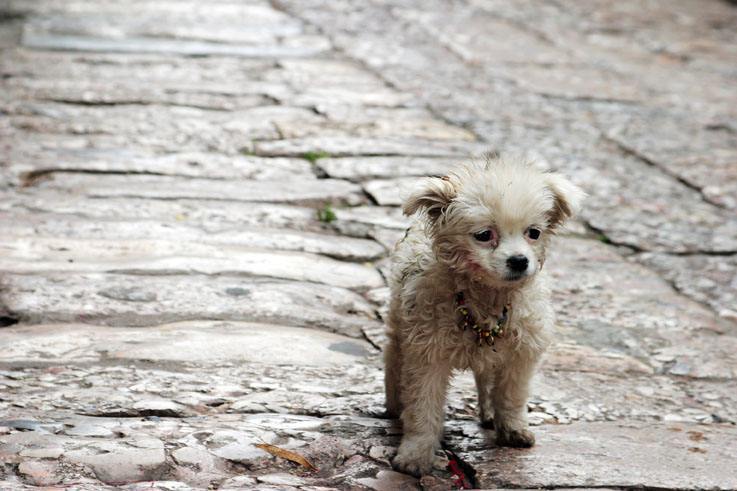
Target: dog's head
{"points": [[492, 220]]}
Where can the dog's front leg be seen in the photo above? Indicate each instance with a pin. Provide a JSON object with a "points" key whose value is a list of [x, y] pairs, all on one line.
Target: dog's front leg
{"points": [[510, 401], [423, 396], [484, 376]]}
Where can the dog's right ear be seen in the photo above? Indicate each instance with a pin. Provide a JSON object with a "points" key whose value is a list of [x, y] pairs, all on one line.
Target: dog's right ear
{"points": [[432, 197]]}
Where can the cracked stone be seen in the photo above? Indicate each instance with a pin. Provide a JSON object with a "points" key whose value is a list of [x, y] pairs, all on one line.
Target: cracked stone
{"points": [[720, 272], [700, 155]]}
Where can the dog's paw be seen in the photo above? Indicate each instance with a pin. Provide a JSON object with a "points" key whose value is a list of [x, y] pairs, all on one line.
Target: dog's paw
{"points": [[416, 468], [506, 437], [413, 459]]}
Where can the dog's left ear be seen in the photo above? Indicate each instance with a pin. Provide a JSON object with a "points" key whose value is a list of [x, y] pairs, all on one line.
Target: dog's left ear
{"points": [[567, 198]]}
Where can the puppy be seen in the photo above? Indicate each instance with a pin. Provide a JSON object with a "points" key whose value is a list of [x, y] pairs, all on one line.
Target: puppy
{"points": [[468, 290]]}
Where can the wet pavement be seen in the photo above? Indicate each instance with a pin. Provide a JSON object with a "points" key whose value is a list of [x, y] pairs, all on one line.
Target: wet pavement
{"points": [[197, 201]]}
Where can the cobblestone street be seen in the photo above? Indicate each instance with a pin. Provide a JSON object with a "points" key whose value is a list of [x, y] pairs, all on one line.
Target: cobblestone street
{"points": [[198, 200]]}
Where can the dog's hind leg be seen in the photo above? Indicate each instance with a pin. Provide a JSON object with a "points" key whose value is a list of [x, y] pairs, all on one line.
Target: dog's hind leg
{"points": [[392, 376]]}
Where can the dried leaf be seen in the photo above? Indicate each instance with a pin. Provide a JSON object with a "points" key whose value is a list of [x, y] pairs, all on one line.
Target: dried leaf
{"points": [[286, 454]]}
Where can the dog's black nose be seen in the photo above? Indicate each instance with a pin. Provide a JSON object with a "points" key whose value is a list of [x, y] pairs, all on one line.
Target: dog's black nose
{"points": [[518, 263]]}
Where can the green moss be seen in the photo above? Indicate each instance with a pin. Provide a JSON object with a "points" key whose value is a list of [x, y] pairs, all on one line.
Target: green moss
{"points": [[312, 157], [326, 214]]}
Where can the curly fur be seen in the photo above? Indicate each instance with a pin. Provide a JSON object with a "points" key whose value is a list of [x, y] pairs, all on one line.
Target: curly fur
{"points": [[439, 257]]}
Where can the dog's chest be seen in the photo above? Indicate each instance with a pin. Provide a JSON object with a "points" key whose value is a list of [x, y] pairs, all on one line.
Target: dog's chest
{"points": [[474, 335]]}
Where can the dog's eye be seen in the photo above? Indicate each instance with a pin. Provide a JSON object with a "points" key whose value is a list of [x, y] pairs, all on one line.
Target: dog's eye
{"points": [[483, 236], [533, 233]]}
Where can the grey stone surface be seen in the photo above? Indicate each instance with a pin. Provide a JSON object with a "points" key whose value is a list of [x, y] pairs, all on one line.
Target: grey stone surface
{"points": [[194, 341], [156, 257], [706, 278], [297, 191], [32, 164], [347, 146], [390, 192], [125, 300], [52, 225], [360, 168], [305, 46], [666, 456], [197, 201], [700, 152]]}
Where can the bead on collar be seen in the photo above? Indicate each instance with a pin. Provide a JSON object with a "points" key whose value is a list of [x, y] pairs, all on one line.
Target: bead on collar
{"points": [[487, 331]]}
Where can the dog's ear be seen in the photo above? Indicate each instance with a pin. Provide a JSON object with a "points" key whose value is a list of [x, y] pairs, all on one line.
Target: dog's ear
{"points": [[567, 198], [432, 196]]}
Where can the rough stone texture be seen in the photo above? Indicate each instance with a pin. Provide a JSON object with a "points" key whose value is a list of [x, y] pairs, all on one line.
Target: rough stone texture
{"points": [[151, 257], [55, 225], [125, 300], [298, 191], [189, 341], [359, 168], [708, 279], [618, 455], [197, 201]]}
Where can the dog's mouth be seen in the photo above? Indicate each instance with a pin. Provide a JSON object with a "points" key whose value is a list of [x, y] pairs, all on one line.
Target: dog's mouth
{"points": [[515, 277]]}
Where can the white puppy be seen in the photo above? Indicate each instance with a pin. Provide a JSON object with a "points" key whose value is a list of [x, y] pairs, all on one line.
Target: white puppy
{"points": [[468, 291]]}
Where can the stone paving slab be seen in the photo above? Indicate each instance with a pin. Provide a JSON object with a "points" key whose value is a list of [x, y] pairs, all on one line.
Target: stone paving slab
{"points": [[33, 164], [125, 300], [360, 168], [714, 284], [152, 257], [296, 191], [208, 215], [350, 146], [184, 342], [701, 153], [42, 40], [54, 225], [619, 455]]}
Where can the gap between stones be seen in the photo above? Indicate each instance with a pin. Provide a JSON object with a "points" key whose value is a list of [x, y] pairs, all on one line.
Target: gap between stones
{"points": [[604, 238], [31, 178], [76, 102]]}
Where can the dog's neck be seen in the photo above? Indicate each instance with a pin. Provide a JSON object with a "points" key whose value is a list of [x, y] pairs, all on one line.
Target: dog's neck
{"points": [[489, 299]]}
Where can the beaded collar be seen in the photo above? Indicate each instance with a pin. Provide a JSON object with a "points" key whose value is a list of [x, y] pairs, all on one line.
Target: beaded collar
{"points": [[485, 331]]}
